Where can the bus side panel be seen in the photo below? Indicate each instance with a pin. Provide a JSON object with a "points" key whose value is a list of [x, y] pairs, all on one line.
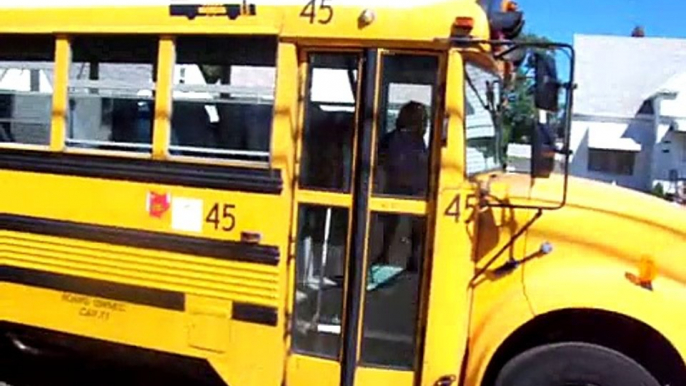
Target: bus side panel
{"points": [[148, 265]]}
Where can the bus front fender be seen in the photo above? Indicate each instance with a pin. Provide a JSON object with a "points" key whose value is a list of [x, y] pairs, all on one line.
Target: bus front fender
{"points": [[551, 287]]}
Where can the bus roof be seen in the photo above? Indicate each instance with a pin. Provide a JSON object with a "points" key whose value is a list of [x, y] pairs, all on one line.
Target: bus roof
{"points": [[403, 21], [147, 3]]}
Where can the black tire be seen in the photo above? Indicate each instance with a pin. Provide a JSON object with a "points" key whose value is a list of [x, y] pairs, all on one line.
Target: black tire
{"points": [[573, 364]]}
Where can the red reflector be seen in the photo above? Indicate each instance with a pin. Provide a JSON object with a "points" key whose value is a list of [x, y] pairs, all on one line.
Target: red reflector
{"points": [[251, 237]]}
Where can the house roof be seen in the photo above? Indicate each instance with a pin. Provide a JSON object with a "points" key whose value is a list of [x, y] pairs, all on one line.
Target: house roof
{"points": [[673, 103], [616, 74]]}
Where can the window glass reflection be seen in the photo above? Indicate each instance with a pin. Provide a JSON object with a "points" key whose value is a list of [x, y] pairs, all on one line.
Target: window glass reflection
{"points": [[320, 269], [26, 87], [326, 162], [392, 290], [111, 92], [406, 110]]}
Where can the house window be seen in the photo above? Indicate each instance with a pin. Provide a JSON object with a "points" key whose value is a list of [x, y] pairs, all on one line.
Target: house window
{"points": [[611, 161]]}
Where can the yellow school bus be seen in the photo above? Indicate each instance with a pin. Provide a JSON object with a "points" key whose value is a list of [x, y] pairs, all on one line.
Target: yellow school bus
{"points": [[316, 191]]}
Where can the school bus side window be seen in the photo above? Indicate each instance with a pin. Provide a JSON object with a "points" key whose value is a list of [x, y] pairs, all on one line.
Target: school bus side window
{"points": [[223, 97], [111, 92], [26, 87]]}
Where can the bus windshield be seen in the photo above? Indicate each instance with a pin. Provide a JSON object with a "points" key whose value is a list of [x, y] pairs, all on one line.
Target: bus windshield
{"points": [[482, 132]]}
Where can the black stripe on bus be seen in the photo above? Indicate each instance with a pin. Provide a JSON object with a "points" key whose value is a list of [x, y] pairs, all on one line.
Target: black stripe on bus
{"points": [[254, 314], [220, 249], [267, 181], [169, 300], [152, 297]]}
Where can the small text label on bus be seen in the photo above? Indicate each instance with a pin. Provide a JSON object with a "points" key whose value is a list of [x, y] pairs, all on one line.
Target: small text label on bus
{"points": [[94, 308]]}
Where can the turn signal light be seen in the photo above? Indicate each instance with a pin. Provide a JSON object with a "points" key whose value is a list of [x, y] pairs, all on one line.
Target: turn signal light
{"points": [[463, 26], [647, 273], [509, 6], [647, 270], [464, 22]]}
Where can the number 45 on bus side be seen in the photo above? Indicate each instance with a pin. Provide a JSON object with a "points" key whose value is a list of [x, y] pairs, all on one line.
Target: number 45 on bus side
{"points": [[313, 12], [223, 219]]}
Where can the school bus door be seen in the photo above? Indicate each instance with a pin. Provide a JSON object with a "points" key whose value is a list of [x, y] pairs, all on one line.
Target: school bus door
{"points": [[363, 215]]}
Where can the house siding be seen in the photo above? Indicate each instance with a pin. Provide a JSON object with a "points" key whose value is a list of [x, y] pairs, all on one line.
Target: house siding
{"points": [[635, 129], [615, 77]]}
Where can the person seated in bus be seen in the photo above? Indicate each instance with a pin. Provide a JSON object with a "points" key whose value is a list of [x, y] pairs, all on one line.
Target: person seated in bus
{"points": [[404, 162], [191, 126], [127, 123]]}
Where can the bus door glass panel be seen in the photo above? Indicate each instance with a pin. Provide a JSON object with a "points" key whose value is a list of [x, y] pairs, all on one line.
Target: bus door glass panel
{"points": [[326, 158], [323, 226], [396, 248]]}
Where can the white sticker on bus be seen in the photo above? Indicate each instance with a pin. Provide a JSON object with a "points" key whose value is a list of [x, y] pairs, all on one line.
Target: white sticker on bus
{"points": [[187, 214]]}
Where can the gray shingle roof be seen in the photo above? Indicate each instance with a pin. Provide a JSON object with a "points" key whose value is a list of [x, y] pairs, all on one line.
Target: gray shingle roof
{"points": [[616, 74]]}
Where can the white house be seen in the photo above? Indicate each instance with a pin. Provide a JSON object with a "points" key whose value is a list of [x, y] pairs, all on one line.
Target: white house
{"points": [[629, 122]]}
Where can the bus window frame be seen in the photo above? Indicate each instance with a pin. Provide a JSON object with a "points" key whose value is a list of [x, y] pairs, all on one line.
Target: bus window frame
{"points": [[404, 204], [161, 121], [164, 146], [64, 88], [53, 108], [304, 107]]}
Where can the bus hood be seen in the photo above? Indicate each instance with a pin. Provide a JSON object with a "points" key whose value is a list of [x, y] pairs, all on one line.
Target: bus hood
{"points": [[603, 220]]}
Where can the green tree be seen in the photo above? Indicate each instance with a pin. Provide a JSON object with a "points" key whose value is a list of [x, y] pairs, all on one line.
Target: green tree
{"points": [[658, 190]]}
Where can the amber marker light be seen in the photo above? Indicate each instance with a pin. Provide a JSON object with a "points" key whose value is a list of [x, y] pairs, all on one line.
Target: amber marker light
{"points": [[509, 6], [647, 270], [464, 22], [647, 273], [462, 26]]}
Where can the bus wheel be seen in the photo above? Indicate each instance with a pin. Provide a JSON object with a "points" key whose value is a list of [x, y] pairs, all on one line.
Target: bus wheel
{"points": [[573, 364]]}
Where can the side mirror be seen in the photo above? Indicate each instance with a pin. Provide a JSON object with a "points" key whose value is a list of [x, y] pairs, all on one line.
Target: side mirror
{"points": [[542, 151], [547, 85]]}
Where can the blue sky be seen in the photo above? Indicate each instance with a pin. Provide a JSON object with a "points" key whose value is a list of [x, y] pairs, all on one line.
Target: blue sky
{"points": [[559, 20]]}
